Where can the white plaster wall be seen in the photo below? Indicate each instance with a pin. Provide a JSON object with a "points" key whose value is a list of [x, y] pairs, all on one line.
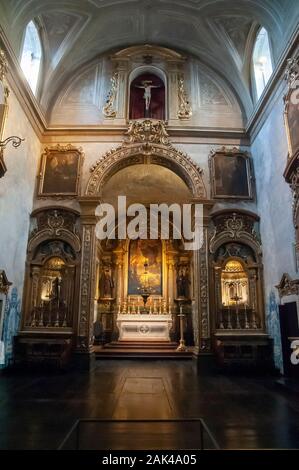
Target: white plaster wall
{"points": [[16, 193], [274, 198], [274, 202], [214, 106]]}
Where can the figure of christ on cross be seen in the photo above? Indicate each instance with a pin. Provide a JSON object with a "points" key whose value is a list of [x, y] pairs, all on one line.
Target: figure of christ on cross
{"points": [[146, 85]]}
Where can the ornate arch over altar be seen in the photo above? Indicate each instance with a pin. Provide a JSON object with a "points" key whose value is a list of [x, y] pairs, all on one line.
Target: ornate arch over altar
{"points": [[146, 142]]}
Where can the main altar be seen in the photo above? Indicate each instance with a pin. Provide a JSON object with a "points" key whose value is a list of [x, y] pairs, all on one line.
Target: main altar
{"points": [[144, 327], [144, 318]]}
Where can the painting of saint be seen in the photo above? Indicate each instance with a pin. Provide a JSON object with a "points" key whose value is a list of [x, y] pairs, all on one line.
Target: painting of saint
{"points": [[143, 252], [60, 170], [231, 176], [293, 123]]}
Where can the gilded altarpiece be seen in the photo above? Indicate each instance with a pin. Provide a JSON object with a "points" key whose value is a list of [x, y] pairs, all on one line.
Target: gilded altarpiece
{"points": [[291, 173], [237, 302], [146, 142], [52, 272]]}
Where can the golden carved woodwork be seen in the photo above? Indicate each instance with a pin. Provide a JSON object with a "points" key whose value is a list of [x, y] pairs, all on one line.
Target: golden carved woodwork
{"points": [[291, 111], [52, 271], [185, 108], [234, 283], [146, 142], [229, 226], [3, 65], [236, 258], [291, 114], [108, 109], [55, 223], [288, 286], [147, 131], [4, 283]]}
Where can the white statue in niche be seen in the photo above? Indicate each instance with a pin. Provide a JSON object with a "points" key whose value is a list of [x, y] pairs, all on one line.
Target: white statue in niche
{"points": [[146, 84]]}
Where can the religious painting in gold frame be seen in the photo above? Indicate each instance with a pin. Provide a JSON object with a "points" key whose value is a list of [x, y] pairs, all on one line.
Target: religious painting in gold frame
{"points": [[231, 174], [291, 118], [60, 171], [143, 252]]}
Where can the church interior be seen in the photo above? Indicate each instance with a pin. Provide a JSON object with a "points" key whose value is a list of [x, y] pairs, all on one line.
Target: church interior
{"points": [[132, 105]]}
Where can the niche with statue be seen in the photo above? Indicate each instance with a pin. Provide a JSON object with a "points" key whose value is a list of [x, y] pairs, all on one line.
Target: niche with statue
{"points": [[237, 289], [52, 287]]}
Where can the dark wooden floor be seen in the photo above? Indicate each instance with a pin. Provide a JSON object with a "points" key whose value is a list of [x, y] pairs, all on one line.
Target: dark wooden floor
{"points": [[37, 411]]}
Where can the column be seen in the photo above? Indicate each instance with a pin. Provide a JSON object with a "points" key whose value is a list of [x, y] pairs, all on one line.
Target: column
{"points": [[200, 305], [171, 264], [35, 273], [119, 275], [84, 342], [97, 290]]}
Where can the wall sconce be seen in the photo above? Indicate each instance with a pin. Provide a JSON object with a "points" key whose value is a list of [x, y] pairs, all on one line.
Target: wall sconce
{"points": [[4, 92], [16, 142]]}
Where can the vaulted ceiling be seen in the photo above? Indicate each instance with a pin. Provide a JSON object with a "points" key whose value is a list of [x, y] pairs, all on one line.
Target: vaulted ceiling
{"points": [[220, 33]]}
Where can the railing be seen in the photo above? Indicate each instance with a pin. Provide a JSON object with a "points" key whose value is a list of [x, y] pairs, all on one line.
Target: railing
{"points": [[49, 316], [238, 319], [173, 434]]}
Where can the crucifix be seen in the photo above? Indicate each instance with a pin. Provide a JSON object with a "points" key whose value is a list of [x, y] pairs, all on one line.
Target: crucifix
{"points": [[146, 85]]}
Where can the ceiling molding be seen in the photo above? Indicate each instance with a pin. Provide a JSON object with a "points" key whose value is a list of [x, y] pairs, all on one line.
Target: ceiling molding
{"points": [[39, 123]]}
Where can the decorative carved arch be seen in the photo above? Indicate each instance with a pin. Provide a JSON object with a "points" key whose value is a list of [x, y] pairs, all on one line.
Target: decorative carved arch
{"points": [[146, 143], [235, 226], [236, 237], [54, 224]]}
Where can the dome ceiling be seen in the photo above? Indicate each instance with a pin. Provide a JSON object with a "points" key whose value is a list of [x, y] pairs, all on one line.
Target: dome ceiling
{"points": [[219, 33]]}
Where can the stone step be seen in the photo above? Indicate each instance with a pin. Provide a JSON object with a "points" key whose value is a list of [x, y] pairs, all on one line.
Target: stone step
{"points": [[141, 345], [141, 353]]}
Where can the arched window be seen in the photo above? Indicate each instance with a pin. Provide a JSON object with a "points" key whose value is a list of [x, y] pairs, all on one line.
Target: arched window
{"points": [[262, 62], [31, 56]]}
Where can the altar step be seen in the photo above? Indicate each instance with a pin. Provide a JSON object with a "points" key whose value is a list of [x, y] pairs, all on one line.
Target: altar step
{"points": [[142, 344], [138, 350]]}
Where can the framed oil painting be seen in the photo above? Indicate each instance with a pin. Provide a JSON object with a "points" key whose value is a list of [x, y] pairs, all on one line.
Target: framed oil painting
{"points": [[141, 252], [60, 171], [231, 175], [292, 125]]}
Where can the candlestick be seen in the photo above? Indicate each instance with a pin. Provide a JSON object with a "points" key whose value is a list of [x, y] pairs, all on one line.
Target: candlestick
{"points": [[247, 326], [229, 324], [182, 346]]}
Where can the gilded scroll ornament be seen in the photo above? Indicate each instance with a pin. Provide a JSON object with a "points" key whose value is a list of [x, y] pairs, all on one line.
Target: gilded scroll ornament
{"points": [[288, 286], [4, 283], [185, 109], [3, 65], [147, 142], [108, 109], [292, 71], [147, 131]]}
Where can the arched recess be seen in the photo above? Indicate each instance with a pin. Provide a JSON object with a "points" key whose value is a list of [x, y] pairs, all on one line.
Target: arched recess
{"points": [[236, 239], [159, 94], [53, 262], [142, 149]]}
